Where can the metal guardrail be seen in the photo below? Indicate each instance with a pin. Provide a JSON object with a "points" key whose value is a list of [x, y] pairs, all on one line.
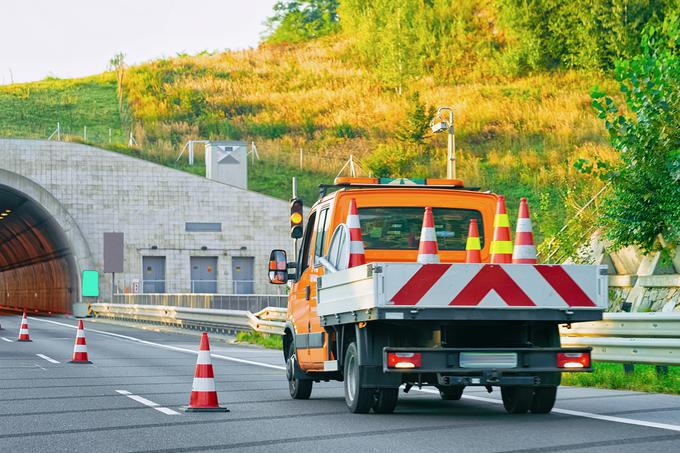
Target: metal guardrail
{"points": [[650, 338], [270, 320], [244, 302]]}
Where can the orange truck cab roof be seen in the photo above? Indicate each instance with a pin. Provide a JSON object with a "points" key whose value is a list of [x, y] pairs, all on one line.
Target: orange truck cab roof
{"points": [[391, 213]]}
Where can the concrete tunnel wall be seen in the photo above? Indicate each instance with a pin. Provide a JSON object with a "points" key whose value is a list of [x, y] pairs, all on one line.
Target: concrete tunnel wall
{"points": [[42, 249]]}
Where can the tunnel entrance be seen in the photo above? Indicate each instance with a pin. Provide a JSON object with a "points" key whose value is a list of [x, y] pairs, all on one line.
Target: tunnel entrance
{"points": [[37, 267]]}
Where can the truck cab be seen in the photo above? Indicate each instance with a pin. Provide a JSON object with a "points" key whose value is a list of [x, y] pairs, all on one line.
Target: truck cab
{"points": [[340, 326]]}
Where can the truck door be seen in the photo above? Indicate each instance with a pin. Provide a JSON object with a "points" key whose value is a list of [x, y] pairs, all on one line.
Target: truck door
{"points": [[302, 291], [317, 334]]}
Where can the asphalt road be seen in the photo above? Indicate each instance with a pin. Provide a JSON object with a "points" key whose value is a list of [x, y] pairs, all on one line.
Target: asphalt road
{"points": [[53, 407]]}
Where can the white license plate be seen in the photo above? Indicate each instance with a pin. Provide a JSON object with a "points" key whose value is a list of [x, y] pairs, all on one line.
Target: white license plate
{"points": [[488, 360]]}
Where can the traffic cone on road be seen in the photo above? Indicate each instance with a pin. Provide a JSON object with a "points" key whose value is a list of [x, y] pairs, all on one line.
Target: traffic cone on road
{"points": [[23, 331], [473, 247], [501, 245], [356, 243], [525, 250], [428, 252], [203, 394], [80, 348]]}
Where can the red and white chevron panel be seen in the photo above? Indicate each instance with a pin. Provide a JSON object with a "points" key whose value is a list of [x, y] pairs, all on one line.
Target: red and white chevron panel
{"points": [[494, 285]]}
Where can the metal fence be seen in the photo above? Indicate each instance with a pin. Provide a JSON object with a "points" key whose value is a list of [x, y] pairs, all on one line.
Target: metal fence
{"points": [[245, 302]]}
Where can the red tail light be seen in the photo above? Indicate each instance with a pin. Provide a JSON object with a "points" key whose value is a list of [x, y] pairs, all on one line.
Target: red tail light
{"points": [[404, 359], [573, 360]]}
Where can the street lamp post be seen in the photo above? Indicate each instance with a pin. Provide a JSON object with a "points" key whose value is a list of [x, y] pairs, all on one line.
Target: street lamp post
{"points": [[439, 125]]}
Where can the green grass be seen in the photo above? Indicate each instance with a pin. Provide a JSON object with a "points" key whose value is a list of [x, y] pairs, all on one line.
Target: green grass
{"points": [[261, 339], [612, 376], [33, 110]]}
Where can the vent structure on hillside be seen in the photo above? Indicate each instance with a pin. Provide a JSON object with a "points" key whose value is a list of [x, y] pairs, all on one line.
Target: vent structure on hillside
{"points": [[227, 162]]}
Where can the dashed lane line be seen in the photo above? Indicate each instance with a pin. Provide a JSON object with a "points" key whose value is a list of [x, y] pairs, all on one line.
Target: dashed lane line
{"points": [[593, 416], [49, 359], [147, 402], [7, 340]]}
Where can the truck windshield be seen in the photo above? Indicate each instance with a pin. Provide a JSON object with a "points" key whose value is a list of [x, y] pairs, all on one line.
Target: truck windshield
{"points": [[398, 228]]}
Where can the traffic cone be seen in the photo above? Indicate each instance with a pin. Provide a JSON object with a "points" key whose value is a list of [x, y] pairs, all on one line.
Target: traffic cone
{"points": [[473, 247], [23, 331], [80, 348], [203, 394], [501, 245], [356, 243], [428, 252], [525, 250]]}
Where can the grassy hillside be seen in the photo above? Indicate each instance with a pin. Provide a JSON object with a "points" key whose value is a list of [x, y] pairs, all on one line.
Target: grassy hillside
{"points": [[518, 136]]}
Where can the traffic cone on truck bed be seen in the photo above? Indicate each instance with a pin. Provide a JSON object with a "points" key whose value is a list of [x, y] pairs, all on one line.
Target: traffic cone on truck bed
{"points": [[357, 256], [203, 394], [23, 331], [525, 250], [428, 252], [473, 247], [80, 348], [501, 245]]}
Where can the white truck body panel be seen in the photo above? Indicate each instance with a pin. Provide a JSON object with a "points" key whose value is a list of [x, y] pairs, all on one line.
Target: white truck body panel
{"points": [[505, 286]]}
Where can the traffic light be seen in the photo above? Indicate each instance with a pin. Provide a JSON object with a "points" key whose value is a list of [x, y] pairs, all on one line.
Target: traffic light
{"points": [[296, 218]]}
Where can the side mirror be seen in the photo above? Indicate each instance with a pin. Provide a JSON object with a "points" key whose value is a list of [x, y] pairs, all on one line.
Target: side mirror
{"points": [[278, 267]]}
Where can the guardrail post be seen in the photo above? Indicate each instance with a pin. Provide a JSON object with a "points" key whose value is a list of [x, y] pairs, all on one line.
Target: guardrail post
{"points": [[661, 370], [628, 368]]}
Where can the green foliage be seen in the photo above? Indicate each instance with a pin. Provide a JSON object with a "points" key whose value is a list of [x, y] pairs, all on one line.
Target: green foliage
{"points": [[611, 376], [644, 201], [301, 20], [398, 160], [261, 339], [578, 33], [417, 123]]}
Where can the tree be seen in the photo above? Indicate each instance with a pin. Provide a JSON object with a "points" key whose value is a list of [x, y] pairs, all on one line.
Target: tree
{"points": [[301, 20], [417, 121], [117, 63], [643, 208]]}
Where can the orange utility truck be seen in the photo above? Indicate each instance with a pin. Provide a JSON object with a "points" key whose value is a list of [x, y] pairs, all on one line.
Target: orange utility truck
{"points": [[367, 308]]}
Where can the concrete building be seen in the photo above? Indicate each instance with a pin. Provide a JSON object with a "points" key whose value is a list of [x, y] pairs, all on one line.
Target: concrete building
{"points": [[182, 233]]}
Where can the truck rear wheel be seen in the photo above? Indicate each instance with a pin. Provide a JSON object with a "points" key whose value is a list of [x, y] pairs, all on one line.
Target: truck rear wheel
{"points": [[451, 393], [385, 400], [359, 400], [299, 389], [517, 399], [544, 399]]}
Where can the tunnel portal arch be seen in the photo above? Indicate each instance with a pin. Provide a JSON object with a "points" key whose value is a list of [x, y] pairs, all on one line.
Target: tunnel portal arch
{"points": [[42, 250]]}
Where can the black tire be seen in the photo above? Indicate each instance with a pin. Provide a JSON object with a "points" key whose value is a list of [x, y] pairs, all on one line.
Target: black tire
{"points": [[517, 399], [544, 400], [358, 399], [385, 400], [451, 393], [299, 389]]}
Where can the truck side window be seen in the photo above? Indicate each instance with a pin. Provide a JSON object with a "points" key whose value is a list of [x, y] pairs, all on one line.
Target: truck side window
{"points": [[304, 248], [321, 230]]}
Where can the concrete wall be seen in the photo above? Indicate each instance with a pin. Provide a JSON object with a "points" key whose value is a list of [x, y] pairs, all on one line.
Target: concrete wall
{"points": [[104, 191]]}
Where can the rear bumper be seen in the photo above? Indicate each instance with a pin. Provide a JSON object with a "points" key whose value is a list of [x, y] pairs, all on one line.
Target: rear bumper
{"points": [[446, 364]]}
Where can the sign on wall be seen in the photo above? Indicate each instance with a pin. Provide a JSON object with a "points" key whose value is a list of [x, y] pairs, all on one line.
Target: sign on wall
{"points": [[113, 253], [90, 284]]}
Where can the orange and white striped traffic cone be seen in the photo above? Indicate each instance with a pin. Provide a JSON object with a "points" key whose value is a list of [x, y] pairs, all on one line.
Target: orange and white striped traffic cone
{"points": [[525, 250], [203, 394], [357, 256], [501, 245], [23, 331], [428, 252], [80, 347], [473, 247]]}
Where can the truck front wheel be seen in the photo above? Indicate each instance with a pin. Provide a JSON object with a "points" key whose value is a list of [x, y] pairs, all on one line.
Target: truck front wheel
{"points": [[359, 400], [517, 399], [299, 389]]}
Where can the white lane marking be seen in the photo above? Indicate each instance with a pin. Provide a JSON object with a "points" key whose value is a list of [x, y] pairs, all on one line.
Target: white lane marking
{"points": [[49, 359], [44, 369], [628, 421], [6, 339], [608, 418], [147, 402], [165, 346]]}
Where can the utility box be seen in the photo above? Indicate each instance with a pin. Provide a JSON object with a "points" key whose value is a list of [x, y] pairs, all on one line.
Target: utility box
{"points": [[227, 162]]}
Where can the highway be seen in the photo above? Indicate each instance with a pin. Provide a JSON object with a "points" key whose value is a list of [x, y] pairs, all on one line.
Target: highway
{"points": [[130, 398]]}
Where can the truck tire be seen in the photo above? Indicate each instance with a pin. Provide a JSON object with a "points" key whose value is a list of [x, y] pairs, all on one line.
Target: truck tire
{"points": [[299, 389], [385, 400], [359, 400], [451, 393], [517, 399], [544, 399]]}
